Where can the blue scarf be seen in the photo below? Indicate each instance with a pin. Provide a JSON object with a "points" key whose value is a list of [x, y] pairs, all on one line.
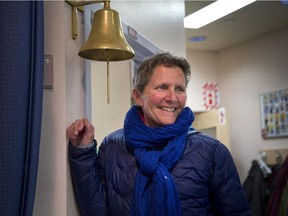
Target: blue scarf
{"points": [[157, 150]]}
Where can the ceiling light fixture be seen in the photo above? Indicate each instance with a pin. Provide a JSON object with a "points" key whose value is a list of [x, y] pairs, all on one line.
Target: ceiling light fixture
{"points": [[197, 39], [284, 2], [213, 12]]}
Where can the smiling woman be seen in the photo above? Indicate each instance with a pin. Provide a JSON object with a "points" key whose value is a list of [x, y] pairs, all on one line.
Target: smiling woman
{"points": [[164, 96], [162, 99], [157, 164]]}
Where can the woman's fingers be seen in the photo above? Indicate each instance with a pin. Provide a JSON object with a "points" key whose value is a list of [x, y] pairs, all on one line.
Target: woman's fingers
{"points": [[81, 132]]}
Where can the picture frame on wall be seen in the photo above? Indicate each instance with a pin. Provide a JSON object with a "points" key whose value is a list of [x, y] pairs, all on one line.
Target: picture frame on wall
{"points": [[274, 114]]}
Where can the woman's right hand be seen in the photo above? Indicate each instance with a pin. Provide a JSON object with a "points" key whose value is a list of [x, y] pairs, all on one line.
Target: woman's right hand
{"points": [[81, 132]]}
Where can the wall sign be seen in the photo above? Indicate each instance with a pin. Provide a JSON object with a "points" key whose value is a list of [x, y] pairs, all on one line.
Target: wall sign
{"points": [[222, 116], [211, 97], [274, 114]]}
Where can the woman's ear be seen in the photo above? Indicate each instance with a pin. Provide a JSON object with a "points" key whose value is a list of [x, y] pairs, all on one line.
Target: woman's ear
{"points": [[136, 96]]}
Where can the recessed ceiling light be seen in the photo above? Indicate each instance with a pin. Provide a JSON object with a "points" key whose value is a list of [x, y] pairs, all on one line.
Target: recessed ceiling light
{"points": [[284, 2], [197, 38]]}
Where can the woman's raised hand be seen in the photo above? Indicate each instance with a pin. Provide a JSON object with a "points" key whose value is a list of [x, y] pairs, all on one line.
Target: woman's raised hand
{"points": [[81, 132]]}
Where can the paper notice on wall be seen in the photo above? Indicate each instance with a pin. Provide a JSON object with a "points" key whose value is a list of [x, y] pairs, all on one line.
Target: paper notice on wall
{"points": [[222, 116], [211, 98]]}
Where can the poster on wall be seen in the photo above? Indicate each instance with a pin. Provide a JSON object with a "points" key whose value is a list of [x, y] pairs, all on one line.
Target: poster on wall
{"points": [[211, 97], [274, 114]]}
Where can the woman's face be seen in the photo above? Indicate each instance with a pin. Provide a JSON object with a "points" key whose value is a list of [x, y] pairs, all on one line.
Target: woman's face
{"points": [[164, 96]]}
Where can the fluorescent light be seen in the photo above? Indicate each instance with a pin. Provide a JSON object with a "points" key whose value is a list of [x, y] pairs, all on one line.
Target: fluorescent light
{"points": [[213, 12]]}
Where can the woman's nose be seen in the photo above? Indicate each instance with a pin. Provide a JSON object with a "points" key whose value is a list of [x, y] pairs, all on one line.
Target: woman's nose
{"points": [[171, 95]]}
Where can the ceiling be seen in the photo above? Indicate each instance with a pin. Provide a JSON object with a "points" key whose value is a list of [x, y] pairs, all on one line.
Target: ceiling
{"points": [[246, 24]]}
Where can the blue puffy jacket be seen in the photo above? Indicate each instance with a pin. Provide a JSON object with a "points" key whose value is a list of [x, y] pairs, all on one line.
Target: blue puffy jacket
{"points": [[205, 177]]}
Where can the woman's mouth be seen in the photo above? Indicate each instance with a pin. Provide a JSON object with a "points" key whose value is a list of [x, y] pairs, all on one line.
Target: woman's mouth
{"points": [[169, 109]]}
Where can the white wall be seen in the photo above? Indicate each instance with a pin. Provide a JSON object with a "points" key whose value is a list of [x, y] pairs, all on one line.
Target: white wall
{"points": [[108, 117], [61, 105], [247, 70], [74, 75], [242, 73], [204, 68], [51, 182], [160, 21]]}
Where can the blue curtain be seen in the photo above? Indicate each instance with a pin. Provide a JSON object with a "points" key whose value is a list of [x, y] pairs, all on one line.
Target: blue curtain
{"points": [[21, 91]]}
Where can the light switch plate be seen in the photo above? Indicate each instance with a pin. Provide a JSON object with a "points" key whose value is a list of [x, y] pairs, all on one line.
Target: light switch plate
{"points": [[48, 72]]}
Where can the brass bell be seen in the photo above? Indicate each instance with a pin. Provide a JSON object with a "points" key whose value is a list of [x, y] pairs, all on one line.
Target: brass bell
{"points": [[106, 41]]}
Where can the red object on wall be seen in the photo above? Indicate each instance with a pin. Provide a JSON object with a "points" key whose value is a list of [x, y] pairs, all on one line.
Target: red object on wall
{"points": [[210, 96]]}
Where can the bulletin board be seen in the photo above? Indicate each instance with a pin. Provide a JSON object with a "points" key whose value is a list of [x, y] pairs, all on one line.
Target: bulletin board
{"points": [[274, 114]]}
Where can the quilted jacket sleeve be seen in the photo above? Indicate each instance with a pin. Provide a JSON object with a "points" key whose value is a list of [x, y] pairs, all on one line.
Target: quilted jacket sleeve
{"points": [[88, 187], [228, 194]]}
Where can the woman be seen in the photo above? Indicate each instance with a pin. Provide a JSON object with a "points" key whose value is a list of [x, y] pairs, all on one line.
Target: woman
{"points": [[157, 164]]}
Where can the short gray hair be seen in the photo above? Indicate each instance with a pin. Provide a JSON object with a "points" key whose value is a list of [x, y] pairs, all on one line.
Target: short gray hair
{"points": [[143, 74]]}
